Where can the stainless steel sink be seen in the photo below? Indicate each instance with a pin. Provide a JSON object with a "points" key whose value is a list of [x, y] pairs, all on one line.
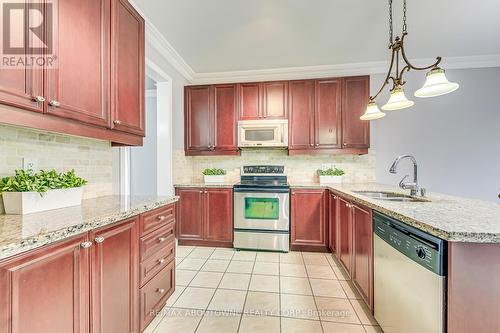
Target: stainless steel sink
{"points": [[391, 196]]}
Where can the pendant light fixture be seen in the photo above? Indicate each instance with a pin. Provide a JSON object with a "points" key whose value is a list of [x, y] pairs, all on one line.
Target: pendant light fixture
{"points": [[436, 83]]}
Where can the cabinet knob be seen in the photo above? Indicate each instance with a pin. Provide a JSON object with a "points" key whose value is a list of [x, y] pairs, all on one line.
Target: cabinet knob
{"points": [[201, 191], [160, 291], [162, 239], [117, 122], [161, 217], [39, 99], [99, 240], [86, 245], [317, 145], [312, 144], [344, 144], [161, 261], [55, 103]]}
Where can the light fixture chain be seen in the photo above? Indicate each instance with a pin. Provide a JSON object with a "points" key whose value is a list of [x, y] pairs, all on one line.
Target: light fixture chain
{"points": [[391, 34], [405, 26]]}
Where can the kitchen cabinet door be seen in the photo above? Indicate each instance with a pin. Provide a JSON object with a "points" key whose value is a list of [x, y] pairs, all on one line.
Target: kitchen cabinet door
{"points": [[332, 226], [20, 86], [344, 234], [219, 215], [46, 290], [275, 100], [190, 213], [309, 229], [301, 124], [355, 95], [250, 99], [127, 70], [363, 253], [328, 114], [198, 119], [77, 88], [115, 278], [225, 108]]}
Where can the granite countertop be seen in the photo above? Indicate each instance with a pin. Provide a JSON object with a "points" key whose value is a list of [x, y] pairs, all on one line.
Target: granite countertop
{"points": [[447, 217], [220, 185], [20, 233]]}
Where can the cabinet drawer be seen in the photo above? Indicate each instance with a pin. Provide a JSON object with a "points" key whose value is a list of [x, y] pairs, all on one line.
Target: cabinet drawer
{"points": [[157, 218], [157, 240], [151, 266], [156, 292]]}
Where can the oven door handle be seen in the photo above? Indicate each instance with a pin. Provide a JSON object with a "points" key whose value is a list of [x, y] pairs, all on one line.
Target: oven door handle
{"points": [[261, 190]]}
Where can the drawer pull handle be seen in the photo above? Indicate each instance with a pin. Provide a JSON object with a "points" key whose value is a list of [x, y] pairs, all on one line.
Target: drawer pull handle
{"points": [[117, 122], [161, 261], [160, 290], [99, 240], [86, 245], [162, 239], [39, 99], [161, 217], [55, 103]]}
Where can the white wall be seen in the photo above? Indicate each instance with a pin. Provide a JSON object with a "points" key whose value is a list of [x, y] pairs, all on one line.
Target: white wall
{"points": [[455, 138]]}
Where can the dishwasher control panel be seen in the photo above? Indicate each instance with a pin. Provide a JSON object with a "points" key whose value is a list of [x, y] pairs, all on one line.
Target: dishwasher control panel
{"points": [[424, 249]]}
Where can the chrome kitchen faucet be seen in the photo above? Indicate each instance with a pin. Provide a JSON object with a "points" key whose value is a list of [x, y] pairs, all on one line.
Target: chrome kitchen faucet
{"points": [[413, 186]]}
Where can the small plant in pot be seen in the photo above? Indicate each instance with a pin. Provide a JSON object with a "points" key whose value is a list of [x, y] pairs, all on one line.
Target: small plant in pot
{"points": [[28, 192], [214, 176], [331, 176]]}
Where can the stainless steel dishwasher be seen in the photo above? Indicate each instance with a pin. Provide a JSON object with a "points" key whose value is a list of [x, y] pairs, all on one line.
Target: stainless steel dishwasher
{"points": [[409, 278]]}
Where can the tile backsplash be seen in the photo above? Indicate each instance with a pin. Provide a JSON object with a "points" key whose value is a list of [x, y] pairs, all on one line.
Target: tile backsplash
{"points": [[301, 168], [91, 159]]}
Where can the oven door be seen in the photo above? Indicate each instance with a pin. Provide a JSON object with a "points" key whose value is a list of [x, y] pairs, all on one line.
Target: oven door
{"points": [[258, 209]]}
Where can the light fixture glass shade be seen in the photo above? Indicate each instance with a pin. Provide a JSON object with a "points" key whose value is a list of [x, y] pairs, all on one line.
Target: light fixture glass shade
{"points": [[397, 100], [436, 84], [372, 112]]}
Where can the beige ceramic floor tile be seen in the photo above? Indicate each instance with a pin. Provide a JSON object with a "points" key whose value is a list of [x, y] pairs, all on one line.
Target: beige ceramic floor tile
{"points": [[268, 257], [298, 306], [340, 273], [320, 272], [364, 314], [183, 251], [175, 295], [262, 304], [289, 325], [201, 253], [265, 283], [191, 264], [206, 279], [295, 285], [315, 259], [183, 277], [179, 320], [373, 329], [254, 324], [327, 288], [195, 298], [240, 267], [235, 281], [297, 270], [332, 260], [349, 289], [342, 328], [154, 323], [291, 258], [229, 301], [245, 255], [215, 265], [215, 322], [337, 310], [223, 254], [266, 268]]}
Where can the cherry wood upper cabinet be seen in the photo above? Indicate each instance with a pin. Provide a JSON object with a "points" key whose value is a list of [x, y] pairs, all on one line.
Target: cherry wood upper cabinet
{"points": [[344, 234], [301, 117], [127, 70], [275, 100], [115, 278], [225, 117], [190, 213], [309, 228], [77, 88], [328, 114], [197, 118], [355, 95], [250, 97], [219, 215], [46, 290], [332, 219], [363, 252]]}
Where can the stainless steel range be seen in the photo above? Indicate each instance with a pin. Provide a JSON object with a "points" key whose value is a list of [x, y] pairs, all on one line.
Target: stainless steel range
{"points": [[262, 209]]}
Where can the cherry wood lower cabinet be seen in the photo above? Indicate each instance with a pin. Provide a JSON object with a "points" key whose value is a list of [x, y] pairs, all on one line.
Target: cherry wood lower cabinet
{"points": [[205, 216], [344, 234], [333, 202], [309, 226]]}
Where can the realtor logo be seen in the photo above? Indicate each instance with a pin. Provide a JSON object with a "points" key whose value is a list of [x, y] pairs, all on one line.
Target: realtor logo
{"points": [[27, 34]]}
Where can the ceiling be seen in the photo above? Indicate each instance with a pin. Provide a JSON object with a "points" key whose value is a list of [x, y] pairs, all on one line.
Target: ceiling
{"points": [[237, 35]]}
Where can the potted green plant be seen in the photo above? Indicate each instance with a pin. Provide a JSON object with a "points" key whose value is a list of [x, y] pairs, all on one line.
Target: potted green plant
{"points": [[214, 176], [28, 192], [330, 176]]}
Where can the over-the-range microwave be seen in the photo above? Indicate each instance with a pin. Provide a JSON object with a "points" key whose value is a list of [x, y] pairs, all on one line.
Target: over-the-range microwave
{"points": [[263, 133]]}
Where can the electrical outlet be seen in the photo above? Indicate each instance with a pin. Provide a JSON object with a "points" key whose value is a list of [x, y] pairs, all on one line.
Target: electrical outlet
{"points": [[30, 164]]}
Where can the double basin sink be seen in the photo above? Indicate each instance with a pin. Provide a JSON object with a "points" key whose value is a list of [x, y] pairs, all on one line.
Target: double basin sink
{"points": [[391, 196]]}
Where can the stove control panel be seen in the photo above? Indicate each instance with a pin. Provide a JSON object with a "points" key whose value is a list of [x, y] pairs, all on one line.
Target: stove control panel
{"points": [[263, 170]]}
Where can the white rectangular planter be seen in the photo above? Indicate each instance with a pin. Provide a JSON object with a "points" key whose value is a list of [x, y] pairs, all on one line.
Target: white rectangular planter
{"points": [[324, 180], [214, 179], [20, 203]]}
